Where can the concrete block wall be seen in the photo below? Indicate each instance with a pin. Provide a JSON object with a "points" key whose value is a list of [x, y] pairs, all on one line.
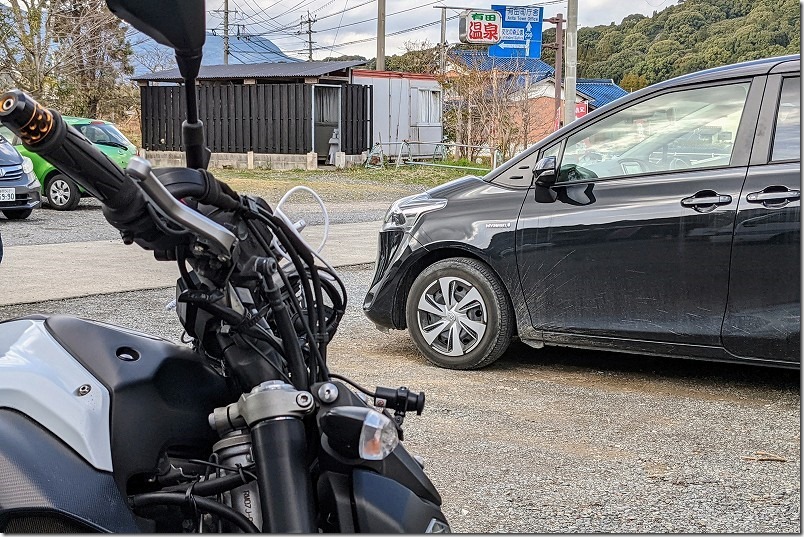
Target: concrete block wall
{"points": [[162, 159]]}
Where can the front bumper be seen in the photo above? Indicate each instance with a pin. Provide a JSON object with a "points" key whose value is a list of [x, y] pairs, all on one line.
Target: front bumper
{"points": [[25, 198], [395, 254]]}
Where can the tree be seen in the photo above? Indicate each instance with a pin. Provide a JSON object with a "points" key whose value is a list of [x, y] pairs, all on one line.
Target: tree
{"points": [[70, 54], [633, 82], [419, 57], [100, 53]]}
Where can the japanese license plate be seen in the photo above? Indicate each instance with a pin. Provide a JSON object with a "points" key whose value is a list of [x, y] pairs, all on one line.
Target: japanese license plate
{"points": [[7, 194]]}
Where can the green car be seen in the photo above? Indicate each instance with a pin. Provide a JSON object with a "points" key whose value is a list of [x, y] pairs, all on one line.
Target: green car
{"points": [[60, 192]]}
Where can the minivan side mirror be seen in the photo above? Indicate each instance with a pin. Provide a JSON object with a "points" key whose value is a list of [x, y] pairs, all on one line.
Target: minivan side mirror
{"points": [[544, 172]]}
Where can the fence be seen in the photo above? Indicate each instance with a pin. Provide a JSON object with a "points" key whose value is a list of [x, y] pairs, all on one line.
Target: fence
{"points": [[264, 118], [443, 150]]}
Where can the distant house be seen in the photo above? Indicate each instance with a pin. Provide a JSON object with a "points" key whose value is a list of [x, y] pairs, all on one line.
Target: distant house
{"points": [[268, 109], [534, 94], [405, 106]]}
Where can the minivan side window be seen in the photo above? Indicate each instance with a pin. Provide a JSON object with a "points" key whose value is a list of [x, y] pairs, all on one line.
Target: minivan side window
{"points": [[787, 133], [680, 130]]}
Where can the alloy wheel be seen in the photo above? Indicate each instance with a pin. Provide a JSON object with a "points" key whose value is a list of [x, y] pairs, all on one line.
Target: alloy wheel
{"points": [[59, 193], [452, 316]]}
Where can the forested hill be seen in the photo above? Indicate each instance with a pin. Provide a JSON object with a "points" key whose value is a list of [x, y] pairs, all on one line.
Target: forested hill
{"points": [[687, 37]]}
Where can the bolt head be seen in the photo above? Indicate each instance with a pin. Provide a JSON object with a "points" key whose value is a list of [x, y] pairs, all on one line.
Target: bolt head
{"points": [[328, 392], [84, 389]]}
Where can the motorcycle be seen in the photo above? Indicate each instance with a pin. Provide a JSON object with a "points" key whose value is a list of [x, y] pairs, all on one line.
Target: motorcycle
{"points": [[245, 430]]}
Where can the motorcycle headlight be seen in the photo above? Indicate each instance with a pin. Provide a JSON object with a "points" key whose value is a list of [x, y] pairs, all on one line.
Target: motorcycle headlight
{"points": [[27, 165], [404, 213]]}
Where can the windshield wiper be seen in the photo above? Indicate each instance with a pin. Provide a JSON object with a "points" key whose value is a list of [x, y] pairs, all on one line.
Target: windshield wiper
{"points": [[113, 144]]}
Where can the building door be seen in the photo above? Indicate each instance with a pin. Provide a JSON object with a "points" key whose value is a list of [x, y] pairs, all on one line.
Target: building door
{"points": [[326, 118]]}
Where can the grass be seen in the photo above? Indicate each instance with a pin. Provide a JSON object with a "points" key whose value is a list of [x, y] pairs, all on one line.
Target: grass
{"points": [[353, 183]]}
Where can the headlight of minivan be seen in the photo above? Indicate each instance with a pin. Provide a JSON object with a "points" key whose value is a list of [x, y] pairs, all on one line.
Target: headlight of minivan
{"points": [[405, 212]]}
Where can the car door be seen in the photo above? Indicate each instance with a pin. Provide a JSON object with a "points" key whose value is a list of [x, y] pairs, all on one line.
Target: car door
{"points": [[627, 248], [763, 318]]}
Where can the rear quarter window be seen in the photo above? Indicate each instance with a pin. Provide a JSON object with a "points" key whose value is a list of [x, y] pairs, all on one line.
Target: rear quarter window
{"points": [[787, 131]]}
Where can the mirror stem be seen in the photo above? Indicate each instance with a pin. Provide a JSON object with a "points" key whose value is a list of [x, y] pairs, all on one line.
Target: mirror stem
{"points": [[192, 130]]}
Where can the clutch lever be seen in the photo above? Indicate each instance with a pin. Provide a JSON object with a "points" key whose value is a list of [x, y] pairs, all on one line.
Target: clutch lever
{"points": [[219, 241]]}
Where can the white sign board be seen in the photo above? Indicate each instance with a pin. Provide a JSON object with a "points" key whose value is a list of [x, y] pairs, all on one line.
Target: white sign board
{"points": [[480, 27]]}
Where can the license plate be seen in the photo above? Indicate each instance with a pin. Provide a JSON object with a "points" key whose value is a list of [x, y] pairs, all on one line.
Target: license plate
{"points": [[7, 194]]}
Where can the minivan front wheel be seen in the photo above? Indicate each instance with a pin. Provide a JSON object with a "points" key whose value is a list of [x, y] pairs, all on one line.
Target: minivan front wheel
{"points": [[62, 193], [458, 314]]}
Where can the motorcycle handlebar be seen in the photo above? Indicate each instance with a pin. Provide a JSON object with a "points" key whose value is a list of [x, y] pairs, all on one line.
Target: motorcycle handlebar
{"points": [[44, 132]]}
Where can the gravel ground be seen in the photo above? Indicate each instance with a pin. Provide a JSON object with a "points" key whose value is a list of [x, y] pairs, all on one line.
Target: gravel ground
{"points": [[564, 440], [86, 223]]}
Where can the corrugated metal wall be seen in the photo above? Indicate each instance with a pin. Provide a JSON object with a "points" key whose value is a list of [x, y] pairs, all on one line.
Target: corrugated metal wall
{"points": [[264, 118]]}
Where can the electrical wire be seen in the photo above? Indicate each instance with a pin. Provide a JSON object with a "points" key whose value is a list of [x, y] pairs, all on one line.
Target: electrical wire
{"points": [[353, 384], [337, 31], [368, 39]]}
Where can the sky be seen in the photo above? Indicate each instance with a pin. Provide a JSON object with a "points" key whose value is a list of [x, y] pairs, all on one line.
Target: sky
{"points": [[350, 26]]}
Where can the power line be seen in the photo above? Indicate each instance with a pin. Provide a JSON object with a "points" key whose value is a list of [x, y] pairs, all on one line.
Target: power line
{"points": [[368, 39], [375, 18], [346, 3], [345, 10]]}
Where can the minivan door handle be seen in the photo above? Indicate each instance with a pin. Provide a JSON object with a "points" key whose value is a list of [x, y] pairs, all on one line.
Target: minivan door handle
{"points": [[706, 201], [774, 196]]}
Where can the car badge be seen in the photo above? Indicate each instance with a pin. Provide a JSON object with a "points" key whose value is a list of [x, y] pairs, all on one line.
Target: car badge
{"points": [[2, 172]]}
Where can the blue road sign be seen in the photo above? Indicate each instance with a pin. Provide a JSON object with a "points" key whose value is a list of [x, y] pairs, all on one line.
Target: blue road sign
{"points": [[521, 32]]}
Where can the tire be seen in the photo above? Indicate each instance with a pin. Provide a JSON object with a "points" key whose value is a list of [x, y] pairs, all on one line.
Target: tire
{"points": [[17, 214], [62, 193], [483, 325]]}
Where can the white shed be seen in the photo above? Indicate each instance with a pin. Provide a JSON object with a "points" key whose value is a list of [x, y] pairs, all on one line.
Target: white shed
{"points": [[405, 106]]}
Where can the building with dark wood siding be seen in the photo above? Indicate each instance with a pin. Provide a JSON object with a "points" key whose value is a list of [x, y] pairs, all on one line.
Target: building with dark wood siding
{"points": [[267, 108]]}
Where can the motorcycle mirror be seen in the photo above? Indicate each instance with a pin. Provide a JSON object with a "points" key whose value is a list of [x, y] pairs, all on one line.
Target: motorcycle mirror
{"points": [[179, 24]]}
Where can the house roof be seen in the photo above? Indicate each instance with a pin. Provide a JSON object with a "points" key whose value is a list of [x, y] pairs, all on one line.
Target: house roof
{"points": [[255, 70], [601, 90], [479, 59]]}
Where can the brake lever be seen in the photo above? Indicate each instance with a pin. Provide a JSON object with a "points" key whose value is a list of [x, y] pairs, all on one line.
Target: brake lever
{"points": [[220, 241]]}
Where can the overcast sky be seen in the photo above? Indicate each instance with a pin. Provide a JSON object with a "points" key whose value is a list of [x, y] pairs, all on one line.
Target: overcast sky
{"points": [[335, 30]]}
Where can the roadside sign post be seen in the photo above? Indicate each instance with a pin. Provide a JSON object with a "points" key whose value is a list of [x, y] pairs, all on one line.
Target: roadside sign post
{"points": [[521, 34]]}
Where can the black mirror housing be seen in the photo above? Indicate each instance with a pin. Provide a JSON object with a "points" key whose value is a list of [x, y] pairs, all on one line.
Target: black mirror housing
{"points": [[179, 24], [544, 172]]}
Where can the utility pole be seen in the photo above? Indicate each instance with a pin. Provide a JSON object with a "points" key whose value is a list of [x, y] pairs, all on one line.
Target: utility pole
{"points": [[559, 21], [380, 35], [443, 44], [309, 32], [225, 32], [571, 60], [225, 12]]}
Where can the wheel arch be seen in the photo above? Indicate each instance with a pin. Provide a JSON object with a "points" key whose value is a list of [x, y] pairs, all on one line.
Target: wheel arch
{"points": [[433, 256]]}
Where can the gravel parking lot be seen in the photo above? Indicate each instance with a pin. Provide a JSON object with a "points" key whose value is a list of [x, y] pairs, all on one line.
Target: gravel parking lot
{"points": [[548, 441]]}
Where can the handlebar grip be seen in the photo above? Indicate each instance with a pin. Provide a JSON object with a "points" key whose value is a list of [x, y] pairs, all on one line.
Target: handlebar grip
{"points": [[44, 132]]}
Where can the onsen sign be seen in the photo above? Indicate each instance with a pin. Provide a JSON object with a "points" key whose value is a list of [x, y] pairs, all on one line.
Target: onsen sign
{"points": [[480, 27]]}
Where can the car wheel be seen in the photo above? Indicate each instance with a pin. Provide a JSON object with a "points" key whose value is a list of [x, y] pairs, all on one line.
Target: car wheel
{"points": [[17, 214], [459, 315], [62, 193]]}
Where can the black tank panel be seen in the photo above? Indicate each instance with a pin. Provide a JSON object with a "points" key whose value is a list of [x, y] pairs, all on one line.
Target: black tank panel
{"points": [[159, 401], [40, 474]]}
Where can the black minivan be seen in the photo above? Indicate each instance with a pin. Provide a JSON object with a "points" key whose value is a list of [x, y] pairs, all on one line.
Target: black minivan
{"points": [[665, 223], [19, 187]]}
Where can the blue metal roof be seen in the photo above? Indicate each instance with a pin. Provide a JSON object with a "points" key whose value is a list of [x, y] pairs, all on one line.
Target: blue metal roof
{"points": [[601, 90], [479, 59]]}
